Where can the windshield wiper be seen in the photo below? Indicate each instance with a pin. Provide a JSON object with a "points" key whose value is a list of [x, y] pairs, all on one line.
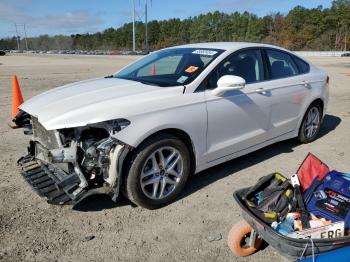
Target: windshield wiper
{"points": [[146, 82]]}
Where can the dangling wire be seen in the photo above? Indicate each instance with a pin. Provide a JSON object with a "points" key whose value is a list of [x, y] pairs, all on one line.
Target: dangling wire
{"points": [[312, 250]]}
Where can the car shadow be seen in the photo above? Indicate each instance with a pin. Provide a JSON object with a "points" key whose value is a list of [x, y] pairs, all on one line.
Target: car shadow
{"points": [[196, 182], [99, 202], [329, 123], [205, 178]]}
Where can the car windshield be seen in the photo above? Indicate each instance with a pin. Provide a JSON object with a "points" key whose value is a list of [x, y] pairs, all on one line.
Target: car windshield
{"points": [[170, 67]]}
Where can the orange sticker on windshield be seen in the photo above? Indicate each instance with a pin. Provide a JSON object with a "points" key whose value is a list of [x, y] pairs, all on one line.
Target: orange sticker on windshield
{"points": [[191, 69]]}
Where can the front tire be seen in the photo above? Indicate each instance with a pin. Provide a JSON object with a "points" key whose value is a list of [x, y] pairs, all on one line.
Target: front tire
{"points": [[311, 124], [158, 171]]}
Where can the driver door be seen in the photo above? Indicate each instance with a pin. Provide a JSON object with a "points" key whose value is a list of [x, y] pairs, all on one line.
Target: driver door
{"points": [[239, 119]]}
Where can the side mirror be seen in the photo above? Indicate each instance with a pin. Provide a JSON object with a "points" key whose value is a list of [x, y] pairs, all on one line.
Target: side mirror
{"points": [[228, 83]]}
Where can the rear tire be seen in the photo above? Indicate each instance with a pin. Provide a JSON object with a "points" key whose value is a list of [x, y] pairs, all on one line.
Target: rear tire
{"points": [[158, 171], [310, 126]]}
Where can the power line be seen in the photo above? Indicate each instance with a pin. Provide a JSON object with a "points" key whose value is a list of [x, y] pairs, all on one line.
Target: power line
{"points": [[18, 37], [133, 25]]}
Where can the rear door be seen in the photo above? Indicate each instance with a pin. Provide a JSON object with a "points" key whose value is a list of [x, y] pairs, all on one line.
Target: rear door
{"points": [[239, 119], [289, 91]]}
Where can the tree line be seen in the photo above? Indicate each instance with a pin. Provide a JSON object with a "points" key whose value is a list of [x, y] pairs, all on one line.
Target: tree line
{"points": [[300, 29]]}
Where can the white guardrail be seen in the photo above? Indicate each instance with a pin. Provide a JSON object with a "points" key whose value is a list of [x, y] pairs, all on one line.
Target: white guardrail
{"points": [[319, 53]]}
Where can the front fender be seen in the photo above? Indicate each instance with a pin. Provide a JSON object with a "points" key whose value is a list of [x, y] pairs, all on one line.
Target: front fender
{"points": [[190, 118]]}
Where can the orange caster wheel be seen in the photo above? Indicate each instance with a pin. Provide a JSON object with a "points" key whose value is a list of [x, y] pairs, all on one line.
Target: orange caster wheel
{"points": [[240, 239]]}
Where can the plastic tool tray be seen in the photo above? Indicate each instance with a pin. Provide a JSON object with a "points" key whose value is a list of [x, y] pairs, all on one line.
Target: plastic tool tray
{"points": [[287, 246]]}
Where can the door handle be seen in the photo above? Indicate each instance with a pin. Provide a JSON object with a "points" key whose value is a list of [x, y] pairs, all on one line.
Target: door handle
{"points": [[306, 84], [261, 91]]}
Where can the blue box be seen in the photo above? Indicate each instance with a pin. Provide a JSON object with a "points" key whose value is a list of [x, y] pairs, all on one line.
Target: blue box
{"points": [[331, 199]]}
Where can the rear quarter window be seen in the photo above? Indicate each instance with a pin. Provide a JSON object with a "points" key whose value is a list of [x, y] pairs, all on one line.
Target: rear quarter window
{"points": [[302, 65]]}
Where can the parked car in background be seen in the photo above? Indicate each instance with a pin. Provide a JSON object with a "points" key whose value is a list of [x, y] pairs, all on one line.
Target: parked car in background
{"points": [[177, 111], [2, 53], [345, 54]]}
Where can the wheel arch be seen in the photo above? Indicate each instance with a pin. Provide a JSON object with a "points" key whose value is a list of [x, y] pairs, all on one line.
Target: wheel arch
{"points": [[320, 102], [314, 101], [180, 134]]}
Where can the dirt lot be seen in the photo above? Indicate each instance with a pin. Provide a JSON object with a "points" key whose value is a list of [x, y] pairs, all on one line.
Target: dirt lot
{"points": [[192, 229]]}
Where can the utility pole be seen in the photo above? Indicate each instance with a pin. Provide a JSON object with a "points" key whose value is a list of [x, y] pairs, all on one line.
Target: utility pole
{"points": [[25, 36], [17, 37], [133, 26], [346, 39], [146, 27]]}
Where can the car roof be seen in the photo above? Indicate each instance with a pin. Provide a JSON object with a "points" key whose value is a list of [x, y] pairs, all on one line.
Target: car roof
{"points": [[228, 46]]}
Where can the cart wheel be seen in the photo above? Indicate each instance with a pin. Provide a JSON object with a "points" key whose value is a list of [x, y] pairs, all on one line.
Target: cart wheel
{"points": [[238, 239]]}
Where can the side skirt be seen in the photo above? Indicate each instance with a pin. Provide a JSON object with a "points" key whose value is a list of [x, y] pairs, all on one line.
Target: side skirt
{"points": [[248, 150]]}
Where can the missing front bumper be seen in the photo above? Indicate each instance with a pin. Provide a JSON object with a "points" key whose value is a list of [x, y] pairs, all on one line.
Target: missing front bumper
{"points": [[60, 186]]}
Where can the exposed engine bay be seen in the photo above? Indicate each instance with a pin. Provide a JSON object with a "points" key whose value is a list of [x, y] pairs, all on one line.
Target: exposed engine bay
{"points": [[69, 164]]}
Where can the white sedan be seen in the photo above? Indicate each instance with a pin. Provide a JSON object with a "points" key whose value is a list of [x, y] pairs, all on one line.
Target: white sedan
{"points": [[177, 111]]}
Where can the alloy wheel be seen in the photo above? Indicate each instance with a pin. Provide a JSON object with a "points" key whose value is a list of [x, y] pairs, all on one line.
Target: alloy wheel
{"points": [[312, 122], [161, 172]]}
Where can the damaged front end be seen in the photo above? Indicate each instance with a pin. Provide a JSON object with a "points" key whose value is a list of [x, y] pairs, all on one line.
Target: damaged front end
{"points": [[67, 165]]}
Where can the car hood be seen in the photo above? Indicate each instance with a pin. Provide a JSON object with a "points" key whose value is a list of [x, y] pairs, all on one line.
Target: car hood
{"points": [[94, 101]]}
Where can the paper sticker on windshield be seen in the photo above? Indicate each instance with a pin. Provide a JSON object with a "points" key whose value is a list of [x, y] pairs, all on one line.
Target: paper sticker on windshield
{"points": [[182, 79], [191, 69], [204, 52]]}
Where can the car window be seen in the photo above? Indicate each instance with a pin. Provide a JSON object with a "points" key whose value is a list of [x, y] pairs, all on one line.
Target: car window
{"points": [[164, 66], [281, 64], [246, 64], [170, 67], [302, 65]]}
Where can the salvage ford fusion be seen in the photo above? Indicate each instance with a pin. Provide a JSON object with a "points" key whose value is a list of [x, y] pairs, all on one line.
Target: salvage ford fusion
{"points": [[177, 111]]}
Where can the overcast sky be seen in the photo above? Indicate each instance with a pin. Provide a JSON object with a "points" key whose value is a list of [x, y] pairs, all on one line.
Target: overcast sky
{"points": [[82, 16]]}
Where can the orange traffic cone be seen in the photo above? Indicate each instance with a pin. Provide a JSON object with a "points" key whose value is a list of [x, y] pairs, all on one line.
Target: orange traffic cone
{"points": [[17, 99], [153, 70]]}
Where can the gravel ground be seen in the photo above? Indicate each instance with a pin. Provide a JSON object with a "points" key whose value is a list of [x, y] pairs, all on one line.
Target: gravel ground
{"points": [[194, 228]]}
